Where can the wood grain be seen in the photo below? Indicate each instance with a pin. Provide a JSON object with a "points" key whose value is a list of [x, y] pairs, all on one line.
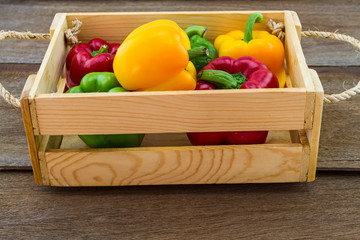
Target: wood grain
{"points": [[323, 15], [170, 111], [31, 138], [116, 26], [300, 137], [14, 150], [313, 134], [295, 59], [52, 66], [190, 113], [337, 150], [325, 209], [297, 67], [340, 128], [175, 165]]}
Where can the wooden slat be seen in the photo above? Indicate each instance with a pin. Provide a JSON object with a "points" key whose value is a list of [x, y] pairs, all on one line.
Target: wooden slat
{"points": [[117, 25], [181, 111], [340, 128], [297, 67], [338, 149], [31, 139], [305, 155], [175, 165], [297, 23], [51, 68], [52, 65], [314, 134], [313, 15], [325, 209], [55, 23], [46, 143]]}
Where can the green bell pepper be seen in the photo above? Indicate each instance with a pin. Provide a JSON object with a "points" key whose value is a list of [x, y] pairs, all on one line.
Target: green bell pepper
{"points": [[105, 82], [197, 38]]}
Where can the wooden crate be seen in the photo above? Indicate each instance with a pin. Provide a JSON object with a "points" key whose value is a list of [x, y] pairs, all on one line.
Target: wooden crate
{"points": [[53, 120]]}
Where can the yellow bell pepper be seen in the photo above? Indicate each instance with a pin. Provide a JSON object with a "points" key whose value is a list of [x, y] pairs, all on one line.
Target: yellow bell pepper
{"points": [[154, 57], [261, 45]]}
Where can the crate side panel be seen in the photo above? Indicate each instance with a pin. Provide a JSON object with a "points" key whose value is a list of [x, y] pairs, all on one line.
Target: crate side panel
{"points": [[175, 165], [314, 134], [31, 139], [52, 65], [295, 59], [297, 67], [160, 112], [116, 26]]}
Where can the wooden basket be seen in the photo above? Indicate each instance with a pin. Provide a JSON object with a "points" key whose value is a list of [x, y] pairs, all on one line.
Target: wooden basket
{"points": [[53, 119]]}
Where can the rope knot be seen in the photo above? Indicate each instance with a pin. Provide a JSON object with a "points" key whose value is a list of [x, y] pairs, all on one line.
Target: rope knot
{"points": [[277, 29], [71, 34]]}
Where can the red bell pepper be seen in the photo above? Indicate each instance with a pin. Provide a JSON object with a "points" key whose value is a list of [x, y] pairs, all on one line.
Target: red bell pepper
{"points": [[95, 56], [227, 73]]}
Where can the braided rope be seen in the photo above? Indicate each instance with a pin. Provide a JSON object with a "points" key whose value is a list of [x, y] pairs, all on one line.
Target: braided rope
{"points": [[336, 36], [24, 35], [278, 30], [334, 98], [71, 37], [8, 97]]}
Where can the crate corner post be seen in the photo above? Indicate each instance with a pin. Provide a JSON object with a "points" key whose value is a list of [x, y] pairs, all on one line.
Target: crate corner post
{"points": [[32, 139]]}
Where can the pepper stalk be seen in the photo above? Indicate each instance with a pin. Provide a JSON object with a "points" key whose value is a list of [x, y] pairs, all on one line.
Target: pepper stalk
{"points": [[255, 17], [222, 79], [198, 52], [196, 30], [102, 49]]}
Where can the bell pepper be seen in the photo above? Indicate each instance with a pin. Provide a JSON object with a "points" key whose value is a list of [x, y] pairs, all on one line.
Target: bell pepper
{"points": [[95, 56], [105, 82], [261, 45], [154, 57], [227, 73], [197, 38]]}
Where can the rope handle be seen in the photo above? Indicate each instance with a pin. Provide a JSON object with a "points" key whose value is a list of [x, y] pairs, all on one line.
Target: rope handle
{"points": [[71, 39], [278, 30]]}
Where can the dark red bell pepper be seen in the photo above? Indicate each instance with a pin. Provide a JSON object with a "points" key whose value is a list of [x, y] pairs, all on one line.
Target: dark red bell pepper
{"points": [[95, 56], [227, 73]]}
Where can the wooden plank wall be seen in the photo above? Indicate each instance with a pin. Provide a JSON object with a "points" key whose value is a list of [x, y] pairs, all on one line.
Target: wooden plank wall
{"points": [[336, 63]]}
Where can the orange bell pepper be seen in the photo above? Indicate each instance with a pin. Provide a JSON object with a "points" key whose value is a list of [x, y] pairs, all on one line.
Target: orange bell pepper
{"points": [[260, 45], [155, 57]]}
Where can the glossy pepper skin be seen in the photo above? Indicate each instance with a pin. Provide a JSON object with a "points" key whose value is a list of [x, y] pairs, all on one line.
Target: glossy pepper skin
{"points": [[197, 38], [105, 82], [95, 56], [261, 45], [227, 73], [154, 57]]}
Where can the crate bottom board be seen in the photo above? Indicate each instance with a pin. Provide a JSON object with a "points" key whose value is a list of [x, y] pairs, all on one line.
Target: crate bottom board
{"points": [[279, 160]]}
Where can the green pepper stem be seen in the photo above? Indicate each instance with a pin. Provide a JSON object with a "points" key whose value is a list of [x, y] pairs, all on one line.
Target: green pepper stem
{"points": [[255, 17], [102, 49], [222, 79], [198, 52], [196, 30]]}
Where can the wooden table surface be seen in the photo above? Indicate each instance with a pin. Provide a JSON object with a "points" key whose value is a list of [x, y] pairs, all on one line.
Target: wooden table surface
{"points": [[328, 208]]}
